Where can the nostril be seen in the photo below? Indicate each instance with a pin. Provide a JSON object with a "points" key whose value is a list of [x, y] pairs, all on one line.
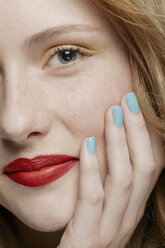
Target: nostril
{"points": [[33, 134]]}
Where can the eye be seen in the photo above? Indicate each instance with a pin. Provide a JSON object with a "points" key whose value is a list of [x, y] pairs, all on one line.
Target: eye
{"points": [[64, 56]]}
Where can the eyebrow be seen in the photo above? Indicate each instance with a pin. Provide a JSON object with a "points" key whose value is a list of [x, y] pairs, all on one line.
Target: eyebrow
{"points": [[57, 31]]}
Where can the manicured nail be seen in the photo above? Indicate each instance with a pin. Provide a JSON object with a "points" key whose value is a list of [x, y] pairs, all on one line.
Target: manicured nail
{"points": [[132, 103], [118, 116], [91, 145]]}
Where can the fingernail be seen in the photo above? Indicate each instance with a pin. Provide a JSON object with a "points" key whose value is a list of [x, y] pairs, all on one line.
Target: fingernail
{"points": [[132, 103], [118, 116], [91, 145]]}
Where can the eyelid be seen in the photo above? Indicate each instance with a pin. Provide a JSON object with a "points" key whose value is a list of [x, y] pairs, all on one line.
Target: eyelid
{"points": [[54, 50]]}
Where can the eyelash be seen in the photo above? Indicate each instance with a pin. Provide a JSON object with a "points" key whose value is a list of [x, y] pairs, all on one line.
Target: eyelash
{"points": [[75, 49]]}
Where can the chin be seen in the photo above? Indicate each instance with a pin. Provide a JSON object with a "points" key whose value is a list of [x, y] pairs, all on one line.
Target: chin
{"points": [[49, 213], [48, 209], [47, 222], [45, 217]]}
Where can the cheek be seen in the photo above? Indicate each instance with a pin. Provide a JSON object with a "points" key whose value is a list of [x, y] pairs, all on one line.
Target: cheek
{"points": [[91, 93]]}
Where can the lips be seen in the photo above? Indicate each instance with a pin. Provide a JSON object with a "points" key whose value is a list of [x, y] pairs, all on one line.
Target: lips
{"points": [[40, 170], [37, 163]]}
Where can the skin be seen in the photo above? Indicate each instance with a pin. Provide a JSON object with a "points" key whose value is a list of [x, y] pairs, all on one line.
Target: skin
{"points": [[64, 107]]}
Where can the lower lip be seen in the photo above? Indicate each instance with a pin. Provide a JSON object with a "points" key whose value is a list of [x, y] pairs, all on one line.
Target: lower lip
{"points": [[42, 177]]}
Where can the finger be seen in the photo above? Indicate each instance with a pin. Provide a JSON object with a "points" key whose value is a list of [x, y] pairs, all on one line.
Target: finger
{"points": [[139, 143], [86, 220], [118, 185], [143, 163], [142, 158], [157, 146]]}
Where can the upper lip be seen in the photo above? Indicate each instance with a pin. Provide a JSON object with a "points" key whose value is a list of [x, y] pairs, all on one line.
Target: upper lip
{"points": [[37, 163]]}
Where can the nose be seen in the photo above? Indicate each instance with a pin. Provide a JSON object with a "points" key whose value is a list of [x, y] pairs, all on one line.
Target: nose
{"points": [[18, 127], [22, 115]]}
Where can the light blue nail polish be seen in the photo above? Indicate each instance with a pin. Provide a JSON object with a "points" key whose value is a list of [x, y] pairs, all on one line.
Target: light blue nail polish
{"points": [[132, 103], [118, 116], [91, 145]]}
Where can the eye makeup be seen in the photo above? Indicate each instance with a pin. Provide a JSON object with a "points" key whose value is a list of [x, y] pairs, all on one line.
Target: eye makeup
{"points": [[65, 53]]}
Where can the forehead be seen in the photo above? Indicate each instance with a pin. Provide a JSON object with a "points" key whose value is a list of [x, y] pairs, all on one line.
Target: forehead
{"points": [[18, 15], [22, 19]]}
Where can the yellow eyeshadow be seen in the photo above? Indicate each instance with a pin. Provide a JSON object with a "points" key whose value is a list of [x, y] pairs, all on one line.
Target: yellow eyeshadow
{"points": [[57, 49]]}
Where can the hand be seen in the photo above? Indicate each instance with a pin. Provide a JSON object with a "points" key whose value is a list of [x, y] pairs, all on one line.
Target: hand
{"points": [[107, 217]]}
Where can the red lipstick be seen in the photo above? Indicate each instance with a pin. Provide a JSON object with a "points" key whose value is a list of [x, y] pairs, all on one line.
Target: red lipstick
{"points": [[40, 170]]}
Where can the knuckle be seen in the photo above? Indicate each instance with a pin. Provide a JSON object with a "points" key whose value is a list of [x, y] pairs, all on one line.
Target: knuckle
{"points": [[127, 185], [149, 170], [96, 198], [124, 182], [116, 140], [141, 127], [119, 142]]}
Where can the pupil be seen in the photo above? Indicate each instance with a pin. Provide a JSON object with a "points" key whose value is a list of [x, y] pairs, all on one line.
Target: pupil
{"points": [[67, 55]]}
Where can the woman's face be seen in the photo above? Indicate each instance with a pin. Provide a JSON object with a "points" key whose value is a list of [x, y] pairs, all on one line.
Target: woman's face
{"points": [[62, 102]]}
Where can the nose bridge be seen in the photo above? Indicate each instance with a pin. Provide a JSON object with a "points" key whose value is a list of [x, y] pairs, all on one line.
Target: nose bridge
{"points": [[18, 111]]}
